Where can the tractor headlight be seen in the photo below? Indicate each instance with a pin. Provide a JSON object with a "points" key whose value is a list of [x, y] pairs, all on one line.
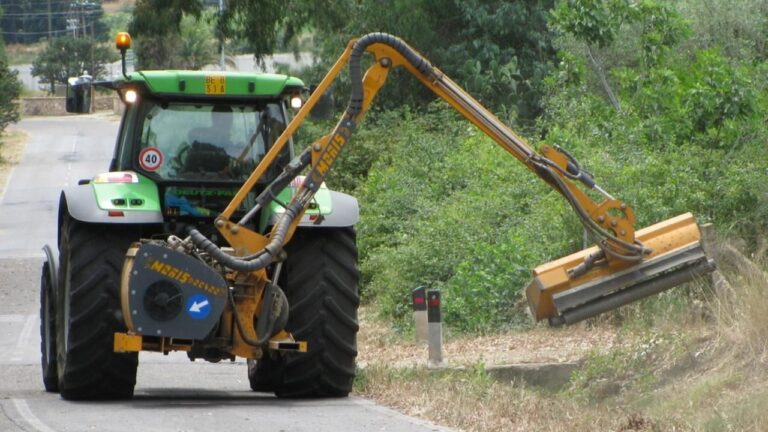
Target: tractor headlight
{"points": [[296, 102], [131, 96]]}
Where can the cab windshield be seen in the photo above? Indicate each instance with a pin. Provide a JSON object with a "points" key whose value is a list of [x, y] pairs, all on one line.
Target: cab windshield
{"points": [[183, 141]]}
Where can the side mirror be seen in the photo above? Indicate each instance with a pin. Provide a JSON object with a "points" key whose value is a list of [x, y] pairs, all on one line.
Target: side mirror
{"points": [[324, 108], [79, 93]]}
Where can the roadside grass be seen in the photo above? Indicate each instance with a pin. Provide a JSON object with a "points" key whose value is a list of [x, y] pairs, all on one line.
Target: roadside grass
{"points": [[114, 6], [23, 53], [691, 360], [470, 400], [11, 146], [12, 142]]}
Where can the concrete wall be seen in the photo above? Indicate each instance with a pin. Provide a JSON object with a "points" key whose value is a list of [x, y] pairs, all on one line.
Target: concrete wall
{"points": [[55, 106]]}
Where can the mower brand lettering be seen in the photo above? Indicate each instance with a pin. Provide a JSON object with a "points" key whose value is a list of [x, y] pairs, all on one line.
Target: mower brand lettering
{"points": [[330, 154], [181, 276]]}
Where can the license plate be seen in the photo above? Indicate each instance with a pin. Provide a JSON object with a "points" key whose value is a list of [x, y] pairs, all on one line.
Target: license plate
{"points": [[215, 84]]}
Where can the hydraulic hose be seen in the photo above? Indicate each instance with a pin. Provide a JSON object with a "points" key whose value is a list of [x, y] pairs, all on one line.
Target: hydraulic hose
{"points": [[265, 256], [272, 249], [269, 320], [611, 245], [355, 71]]}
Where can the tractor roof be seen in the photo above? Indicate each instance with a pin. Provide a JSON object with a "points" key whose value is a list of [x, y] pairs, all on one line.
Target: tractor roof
{"points": [[211, 83]]}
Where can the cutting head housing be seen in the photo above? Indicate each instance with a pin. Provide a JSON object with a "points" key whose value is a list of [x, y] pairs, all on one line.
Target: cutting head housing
{"points": [[558, 294]]}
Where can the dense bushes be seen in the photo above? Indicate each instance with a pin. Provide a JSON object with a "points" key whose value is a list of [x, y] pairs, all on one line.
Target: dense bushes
{"points": [[444, 207]]}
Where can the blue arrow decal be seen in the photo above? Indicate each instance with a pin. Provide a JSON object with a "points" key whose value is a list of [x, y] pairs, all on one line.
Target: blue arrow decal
{"points": [[198, 306]]}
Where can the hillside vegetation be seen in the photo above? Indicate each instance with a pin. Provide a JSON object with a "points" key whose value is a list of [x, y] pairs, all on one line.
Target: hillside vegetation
{"points": [[666, 108]]}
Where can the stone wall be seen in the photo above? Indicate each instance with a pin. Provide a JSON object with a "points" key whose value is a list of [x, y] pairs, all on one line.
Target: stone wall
{"points": [[55, 106]]}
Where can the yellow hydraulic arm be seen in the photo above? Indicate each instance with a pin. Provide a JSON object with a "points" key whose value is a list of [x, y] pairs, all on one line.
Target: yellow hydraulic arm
{"points": [[609, 222]]}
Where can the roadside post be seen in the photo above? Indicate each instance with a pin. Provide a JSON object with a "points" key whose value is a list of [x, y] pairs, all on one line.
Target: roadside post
{"points": [[435, 323], [419, 298]]}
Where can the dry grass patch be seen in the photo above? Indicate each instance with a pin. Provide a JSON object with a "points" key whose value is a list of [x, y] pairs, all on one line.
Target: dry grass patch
{"points": [[378, 343], [112, 6], [23, 53], [700, 368], [469, 400], [12, 144]]}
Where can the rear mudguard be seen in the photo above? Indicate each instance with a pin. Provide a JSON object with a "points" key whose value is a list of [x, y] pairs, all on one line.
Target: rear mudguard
{"points": [[93, 202], [333, 209], [345, 212], [119, 197]]}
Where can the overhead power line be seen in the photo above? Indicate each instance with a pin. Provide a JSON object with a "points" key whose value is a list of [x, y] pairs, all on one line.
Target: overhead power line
{"points": [[7, 4], [35, 14], [32, 33]]}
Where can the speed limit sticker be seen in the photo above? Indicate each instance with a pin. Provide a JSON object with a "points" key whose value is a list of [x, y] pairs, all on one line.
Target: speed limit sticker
{"points": [[151, 159]]}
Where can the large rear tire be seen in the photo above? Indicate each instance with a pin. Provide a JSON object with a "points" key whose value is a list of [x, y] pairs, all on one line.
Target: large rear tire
{"points": [[88, 313], [320, 279], [48, 331]]}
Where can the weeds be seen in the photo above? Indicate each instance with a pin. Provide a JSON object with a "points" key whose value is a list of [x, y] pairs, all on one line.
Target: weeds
{"points": [[637, 367], [697, 363]]}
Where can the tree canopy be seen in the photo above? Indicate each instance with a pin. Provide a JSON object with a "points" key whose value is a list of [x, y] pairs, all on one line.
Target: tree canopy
{"points": [[10, 89], [68, 56]]}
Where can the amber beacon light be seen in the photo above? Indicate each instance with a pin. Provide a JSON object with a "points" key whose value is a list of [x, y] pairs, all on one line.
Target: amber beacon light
{"points": [[123, 41]]}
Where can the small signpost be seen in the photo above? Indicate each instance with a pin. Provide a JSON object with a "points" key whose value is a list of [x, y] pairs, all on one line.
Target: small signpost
{"points": [[419, 297], [435, 324]]}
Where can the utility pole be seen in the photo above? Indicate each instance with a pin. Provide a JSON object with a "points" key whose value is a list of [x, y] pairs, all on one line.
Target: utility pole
{"points": [[81, 13], [221, 42], [50, 24]]}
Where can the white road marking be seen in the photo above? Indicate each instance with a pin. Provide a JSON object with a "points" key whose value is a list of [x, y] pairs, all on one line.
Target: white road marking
{"points": [[12, 318], [7, 182], [68, 174], [23, 409], [24, 337]]}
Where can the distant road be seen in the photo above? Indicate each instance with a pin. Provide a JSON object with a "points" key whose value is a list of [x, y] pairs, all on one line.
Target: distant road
{"points": [[243, 63]]}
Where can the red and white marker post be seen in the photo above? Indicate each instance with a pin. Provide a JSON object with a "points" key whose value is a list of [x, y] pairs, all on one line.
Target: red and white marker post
{"points": [[419, 297], [435, 323]]}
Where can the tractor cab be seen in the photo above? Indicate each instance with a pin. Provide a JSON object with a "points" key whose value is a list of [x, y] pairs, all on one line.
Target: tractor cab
{"points": [[197, 136]]}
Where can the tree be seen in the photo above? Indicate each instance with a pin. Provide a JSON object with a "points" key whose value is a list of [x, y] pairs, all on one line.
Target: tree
{"points": [[598, 23], [198, 42], [10, 89], [68, 56], [266, 24], [499, 50], [170, 33], [156, 25]]}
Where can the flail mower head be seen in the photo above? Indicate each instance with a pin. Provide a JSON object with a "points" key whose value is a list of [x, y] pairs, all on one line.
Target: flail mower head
{"points": [[566, 291]]}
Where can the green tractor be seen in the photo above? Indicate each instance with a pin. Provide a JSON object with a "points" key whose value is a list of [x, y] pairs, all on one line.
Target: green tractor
{"points": [[123, 280]]}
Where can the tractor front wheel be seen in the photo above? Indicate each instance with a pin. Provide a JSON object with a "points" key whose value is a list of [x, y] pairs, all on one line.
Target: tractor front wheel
{"points": [[320, 279], [88, 313]]}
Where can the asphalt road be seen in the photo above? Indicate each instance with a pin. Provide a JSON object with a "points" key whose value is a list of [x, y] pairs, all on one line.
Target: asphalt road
{"points": [[172, 393]]}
